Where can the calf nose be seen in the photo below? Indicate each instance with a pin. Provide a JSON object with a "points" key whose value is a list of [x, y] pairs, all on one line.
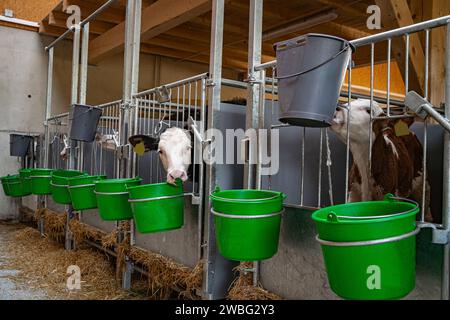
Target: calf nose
{"points": [[175, 174]]}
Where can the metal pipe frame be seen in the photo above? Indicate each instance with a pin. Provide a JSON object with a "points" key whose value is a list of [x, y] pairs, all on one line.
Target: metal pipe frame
{"points": [[445, 290], [172, 84], [214, 98]]}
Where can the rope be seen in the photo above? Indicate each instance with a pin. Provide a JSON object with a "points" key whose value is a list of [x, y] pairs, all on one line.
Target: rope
{"points": [[329, 164]]}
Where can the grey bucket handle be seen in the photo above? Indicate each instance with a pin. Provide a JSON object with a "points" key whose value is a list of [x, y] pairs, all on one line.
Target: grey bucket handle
{"points": [[346, 47], [367, 242]]}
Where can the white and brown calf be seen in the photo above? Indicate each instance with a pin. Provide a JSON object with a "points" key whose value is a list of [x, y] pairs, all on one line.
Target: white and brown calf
{"points": [[396, 165]]}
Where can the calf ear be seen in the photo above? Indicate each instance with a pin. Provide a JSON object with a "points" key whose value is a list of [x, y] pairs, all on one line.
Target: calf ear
{"points": [[150, 143]]}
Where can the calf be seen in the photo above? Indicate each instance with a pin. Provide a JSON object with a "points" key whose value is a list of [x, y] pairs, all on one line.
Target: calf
{"points": [[396, 164], [175, 151]]}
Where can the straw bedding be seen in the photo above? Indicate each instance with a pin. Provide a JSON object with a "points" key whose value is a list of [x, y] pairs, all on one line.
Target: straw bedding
{"points": [[42, 264], [242, 287]]}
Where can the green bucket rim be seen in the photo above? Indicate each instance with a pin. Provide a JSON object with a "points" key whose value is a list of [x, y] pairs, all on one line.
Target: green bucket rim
{"points": [[274, 195], [119, 181], [332, 218]]}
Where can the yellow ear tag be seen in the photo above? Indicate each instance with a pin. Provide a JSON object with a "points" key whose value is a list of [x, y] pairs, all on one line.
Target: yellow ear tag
{"points": [[139, 148], [401, 129]]}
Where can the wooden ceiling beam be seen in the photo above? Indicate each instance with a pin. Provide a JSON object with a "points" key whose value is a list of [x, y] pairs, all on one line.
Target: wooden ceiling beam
{"points": [[396, 14], [59, 19], [111, 15], [156, 19]]}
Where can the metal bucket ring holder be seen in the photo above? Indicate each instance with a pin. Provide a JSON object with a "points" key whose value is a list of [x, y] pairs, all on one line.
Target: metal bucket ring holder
{"points": [[335, 217]]}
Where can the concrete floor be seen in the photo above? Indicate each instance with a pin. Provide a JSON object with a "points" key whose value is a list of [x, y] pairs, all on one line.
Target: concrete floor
{"points": [[9, 288]]}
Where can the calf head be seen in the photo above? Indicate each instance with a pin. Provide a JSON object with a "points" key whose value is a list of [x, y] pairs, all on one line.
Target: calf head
{"points": [[359, 120], [174, 149]]}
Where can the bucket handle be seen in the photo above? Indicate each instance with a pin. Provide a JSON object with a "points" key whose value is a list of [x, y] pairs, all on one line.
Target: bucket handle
{"points": [[233, 216], [346, 47], [81, 186], [110, 193], [368, 242], [158, 198], [41, 176], [58, 185], [388, 197]]}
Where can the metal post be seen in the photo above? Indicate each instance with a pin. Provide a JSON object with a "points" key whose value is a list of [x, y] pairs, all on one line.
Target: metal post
{"points": [[446, 179], [83, 81], [74, 90], [254, 78], [130, 87], [48, 108], [214, 95]]}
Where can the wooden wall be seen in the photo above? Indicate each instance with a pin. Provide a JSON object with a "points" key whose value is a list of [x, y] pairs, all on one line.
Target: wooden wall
{"points": [[32, 10]]}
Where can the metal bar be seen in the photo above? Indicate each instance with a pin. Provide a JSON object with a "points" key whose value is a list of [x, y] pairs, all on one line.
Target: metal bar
{"points": [[74, 88], [388, 85], [97, 12], [254, 79], [83, 81], [430, 24], [202, 172], [406, 63], [175, 84], [441, 21], [61, 37], [425, 127], [446, 177], [261, 115], [214, 98], [255, 97], [347, 152], [48, 108], [372, 62]]}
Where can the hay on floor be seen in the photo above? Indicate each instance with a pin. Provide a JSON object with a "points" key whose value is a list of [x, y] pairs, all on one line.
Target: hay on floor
{"points": [[165, 276], [42, 264], [242, 287]]}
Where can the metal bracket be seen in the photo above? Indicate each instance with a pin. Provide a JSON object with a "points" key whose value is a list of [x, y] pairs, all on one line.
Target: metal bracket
{"points": [[210, 82], [253, 80], [122, 151], [196, 200], [440, 236]]}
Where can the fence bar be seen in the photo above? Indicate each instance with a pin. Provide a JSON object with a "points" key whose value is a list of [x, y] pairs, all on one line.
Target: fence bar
{"points": [[446, 177], [174, 84], [214, 99]]}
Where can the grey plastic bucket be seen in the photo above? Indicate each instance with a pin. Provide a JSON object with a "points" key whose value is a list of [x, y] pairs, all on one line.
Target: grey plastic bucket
{"points": [[19, 144], [310, 72], [84, 122]]}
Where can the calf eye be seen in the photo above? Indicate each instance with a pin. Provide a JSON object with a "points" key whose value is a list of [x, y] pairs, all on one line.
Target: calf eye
{"points": [[160, 151], [368, 111]]}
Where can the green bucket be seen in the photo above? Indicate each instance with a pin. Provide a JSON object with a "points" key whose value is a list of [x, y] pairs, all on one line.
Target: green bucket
{"points": [[15, 186], [40, 181], [59, 185], [112, 198], [26, 180], [81, 191], [247, 223], [369, 248], [157, 207], [5, 185]]}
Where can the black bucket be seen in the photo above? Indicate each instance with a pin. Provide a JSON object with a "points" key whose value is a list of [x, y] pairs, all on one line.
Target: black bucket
{"points": [[84, 122], [19, 145], [310, 72]]}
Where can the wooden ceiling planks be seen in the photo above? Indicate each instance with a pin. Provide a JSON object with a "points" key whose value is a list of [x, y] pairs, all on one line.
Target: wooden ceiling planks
{"points": [[190, 40]]}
